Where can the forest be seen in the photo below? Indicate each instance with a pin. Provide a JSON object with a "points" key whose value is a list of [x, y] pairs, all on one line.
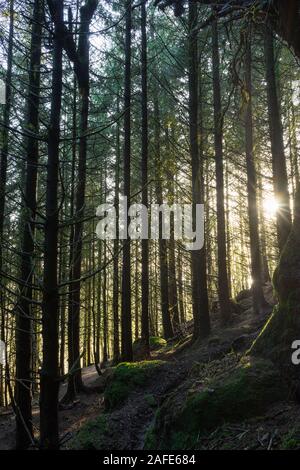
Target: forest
{"points": [[118, 115]]}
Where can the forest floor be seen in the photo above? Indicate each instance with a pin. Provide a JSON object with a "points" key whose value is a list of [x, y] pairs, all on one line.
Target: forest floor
{"points": [[185, 367]]}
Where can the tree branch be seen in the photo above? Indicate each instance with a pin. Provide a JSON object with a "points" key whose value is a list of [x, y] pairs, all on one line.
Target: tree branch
{"points": [[67, 39]]}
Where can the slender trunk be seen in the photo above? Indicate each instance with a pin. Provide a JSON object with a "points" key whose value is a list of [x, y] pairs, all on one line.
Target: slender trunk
{"points": [[163, 261], [3, 167], [104, 309], [173, 296], [23, 390], [199, 275], [256, 265], [116, 343], [223, 286], [180, 286], [145, 242], [75, 380], [6, 119], [280, 179], [127, 354], [49, 379]]}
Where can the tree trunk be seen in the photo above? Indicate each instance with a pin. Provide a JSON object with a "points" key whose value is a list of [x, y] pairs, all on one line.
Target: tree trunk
{"points": [[75, 379], [49, 379], [259, 302], [127, 354], [162, 244], [282, 329], [199, 275], [3, 167], [173, 295], [116, 341], [223, 286], [145, 242], [24, 314], [280, 179]]}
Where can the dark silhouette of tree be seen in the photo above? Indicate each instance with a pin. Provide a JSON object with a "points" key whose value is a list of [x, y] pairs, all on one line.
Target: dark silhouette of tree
{"points": [[24, 313]]}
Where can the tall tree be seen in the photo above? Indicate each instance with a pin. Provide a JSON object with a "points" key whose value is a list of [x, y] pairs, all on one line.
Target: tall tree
{"points": [[49, 374], [24, 315], [127, 354], [162, 243], [116, 341], [223, 285], [280, 179], [3, 160], [74, 379], [259, 302], [173, 295], [199, 275], [145, 242]]}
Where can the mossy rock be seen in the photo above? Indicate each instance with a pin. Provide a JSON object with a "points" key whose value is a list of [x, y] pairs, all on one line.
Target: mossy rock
{"points": [[246, 393], [276, 338], [150, 439], [127, 377], [91, 435], [244, 294], [150, 400], [157, 343]]}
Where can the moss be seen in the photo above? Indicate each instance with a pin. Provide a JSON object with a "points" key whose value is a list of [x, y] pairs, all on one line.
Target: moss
{"points": [[156, 342], [281, 330], [150, 439], [127, 376], [275, 340], [91, 435], [245, 393], [291, 440], [150, 400]]}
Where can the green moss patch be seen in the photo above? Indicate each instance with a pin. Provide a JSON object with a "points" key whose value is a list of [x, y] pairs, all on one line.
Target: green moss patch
{"points": [[128, 376], [245, 393], [291, 441], [156, 342], [91, 435]]}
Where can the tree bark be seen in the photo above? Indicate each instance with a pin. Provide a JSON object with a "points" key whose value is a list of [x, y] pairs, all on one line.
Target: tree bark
{"points": [[162, 244], [223, 285], [24, 431], [199, 275], [145, 242], [75, 383], [280, 179], [259, 302], [49, 374], [3, 169], [127, 354], [116, 342]]}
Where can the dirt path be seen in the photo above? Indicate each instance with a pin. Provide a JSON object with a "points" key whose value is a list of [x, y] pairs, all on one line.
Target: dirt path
{"points": [[87, 407]]}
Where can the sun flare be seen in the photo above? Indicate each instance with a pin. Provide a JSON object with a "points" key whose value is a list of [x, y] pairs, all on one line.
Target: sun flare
{"points": [[270, 206]]}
